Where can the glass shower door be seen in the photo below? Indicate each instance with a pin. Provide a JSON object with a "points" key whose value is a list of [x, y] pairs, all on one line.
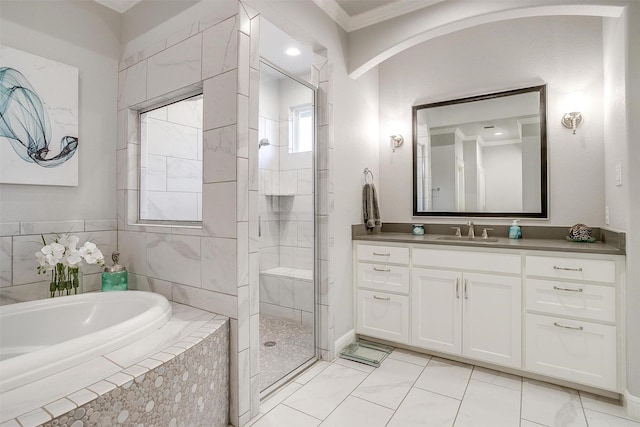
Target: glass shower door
{"points": [[287, 224]]}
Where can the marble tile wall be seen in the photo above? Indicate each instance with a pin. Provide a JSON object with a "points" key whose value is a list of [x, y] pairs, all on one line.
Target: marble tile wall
{"points": [[213, 267], [171, 162], [19, 241], [203, 259]]}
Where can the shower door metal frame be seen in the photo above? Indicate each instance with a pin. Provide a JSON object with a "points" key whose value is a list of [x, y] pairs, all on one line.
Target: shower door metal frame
{"points": [[314, 154]]}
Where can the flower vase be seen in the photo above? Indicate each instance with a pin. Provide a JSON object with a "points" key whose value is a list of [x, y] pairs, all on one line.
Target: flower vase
{"points": [[65, 281]]}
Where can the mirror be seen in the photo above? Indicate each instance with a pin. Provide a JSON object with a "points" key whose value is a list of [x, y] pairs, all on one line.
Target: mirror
{"points": [[483, 156]]}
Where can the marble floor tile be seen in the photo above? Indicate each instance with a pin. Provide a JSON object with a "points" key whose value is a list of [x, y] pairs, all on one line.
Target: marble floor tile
{"points": [[312, 372], [445, 377], [355, 365], [600, 419], [551, 405], [277, 398], [603, 404], [486, 404], [497, 378], [283, 415], [354, 412], [410, 357], [423, 408], [389, 384], [320, 396], [527, 423]]}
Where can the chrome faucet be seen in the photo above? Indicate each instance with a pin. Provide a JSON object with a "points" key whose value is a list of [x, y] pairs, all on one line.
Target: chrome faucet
{"points": [[472, 233]]}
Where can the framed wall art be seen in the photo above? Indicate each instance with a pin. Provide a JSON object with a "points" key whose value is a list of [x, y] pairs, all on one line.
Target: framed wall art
{"points": [[38, 120]]}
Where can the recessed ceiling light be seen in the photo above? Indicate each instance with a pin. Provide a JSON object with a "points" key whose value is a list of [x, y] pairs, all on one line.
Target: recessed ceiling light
{"points": [[292, 51], [498, 133]]}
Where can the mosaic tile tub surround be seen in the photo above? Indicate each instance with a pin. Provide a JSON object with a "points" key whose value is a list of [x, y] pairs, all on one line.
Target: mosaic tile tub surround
{"points": [[184, 383]]}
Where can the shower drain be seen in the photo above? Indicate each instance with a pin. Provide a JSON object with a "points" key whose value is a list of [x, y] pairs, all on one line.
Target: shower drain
{"points": [[269, 343]]}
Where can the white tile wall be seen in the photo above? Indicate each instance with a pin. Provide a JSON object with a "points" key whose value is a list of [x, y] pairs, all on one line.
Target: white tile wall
{"points": [[230, 131], [19, 280], [175, 68]]}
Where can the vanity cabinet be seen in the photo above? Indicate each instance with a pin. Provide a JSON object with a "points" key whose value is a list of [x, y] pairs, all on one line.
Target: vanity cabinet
{"points": [[383, 292], [551, 313], [571, 319], [476, 315]]}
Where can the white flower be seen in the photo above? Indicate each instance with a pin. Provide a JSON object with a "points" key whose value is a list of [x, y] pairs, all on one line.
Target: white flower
{"points": [[74, 257], [73, 242], [91, 253]]}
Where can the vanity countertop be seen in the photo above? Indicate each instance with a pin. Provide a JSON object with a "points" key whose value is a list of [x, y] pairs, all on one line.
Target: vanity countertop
{"points": [[606, 244]]}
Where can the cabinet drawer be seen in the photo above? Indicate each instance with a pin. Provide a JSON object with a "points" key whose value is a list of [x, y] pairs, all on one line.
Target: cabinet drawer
{"points": [[383, 277], [460, 260], [571, 268], [387, 254], [573, 350], [590, 302], [383, 315]]}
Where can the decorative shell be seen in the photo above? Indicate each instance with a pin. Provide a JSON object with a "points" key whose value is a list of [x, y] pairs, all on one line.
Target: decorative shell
{"points": [[580, 232]]}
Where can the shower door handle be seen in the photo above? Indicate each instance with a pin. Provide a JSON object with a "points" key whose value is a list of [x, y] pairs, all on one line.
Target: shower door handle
{"points": [[259, 227]]}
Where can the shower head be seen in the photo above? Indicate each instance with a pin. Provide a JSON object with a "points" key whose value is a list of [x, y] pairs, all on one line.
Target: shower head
{"points": [[263, 142]]}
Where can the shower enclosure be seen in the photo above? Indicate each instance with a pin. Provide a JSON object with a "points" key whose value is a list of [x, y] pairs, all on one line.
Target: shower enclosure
{"points": [[286, 141]]}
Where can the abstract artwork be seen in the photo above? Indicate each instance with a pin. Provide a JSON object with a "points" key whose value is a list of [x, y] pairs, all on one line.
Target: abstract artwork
{"points": [[38, 120]]}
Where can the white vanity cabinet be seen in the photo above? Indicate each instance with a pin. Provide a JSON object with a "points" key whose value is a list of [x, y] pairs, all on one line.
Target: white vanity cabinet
{"points": [[571, 319], [383, 292], [477, 315], [556, 314]]}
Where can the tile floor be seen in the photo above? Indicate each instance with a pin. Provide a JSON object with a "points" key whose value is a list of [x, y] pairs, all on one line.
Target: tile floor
{"points": [[293, 347], [411, 389]]}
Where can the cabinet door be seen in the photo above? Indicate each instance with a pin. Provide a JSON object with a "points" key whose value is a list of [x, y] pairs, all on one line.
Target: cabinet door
{"points": [[492, 316], [436, 305], [577, 351], [383, 315]]}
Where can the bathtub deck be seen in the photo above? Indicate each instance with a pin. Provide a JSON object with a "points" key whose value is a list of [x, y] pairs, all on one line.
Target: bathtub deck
{"points": [[43, 400]]}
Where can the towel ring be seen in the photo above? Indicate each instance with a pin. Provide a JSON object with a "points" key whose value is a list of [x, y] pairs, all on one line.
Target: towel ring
{"points": [[366, 174]]}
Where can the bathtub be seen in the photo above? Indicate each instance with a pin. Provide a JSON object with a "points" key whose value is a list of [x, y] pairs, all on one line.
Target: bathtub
{"points": [[39, 338]]}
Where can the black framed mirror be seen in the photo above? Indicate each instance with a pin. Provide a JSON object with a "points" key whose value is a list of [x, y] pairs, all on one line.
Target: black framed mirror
{"points": [[482, 156]]}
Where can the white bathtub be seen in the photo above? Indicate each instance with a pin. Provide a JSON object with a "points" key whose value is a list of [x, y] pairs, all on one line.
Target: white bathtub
{"points": [[39, 338]]}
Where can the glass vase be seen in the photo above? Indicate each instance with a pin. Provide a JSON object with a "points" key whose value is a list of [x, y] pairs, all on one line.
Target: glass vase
{"points": [[65, 281]]}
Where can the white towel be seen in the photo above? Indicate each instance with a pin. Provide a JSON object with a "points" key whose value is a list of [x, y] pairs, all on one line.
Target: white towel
{"points": [[370, 209]]}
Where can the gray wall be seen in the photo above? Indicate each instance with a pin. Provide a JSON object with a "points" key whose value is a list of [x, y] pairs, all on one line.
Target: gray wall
{"points": [[85, 35], [489, 58]]}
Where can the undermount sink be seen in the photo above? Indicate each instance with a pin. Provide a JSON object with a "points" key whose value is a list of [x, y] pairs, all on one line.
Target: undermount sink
{"points": [[469, 239]]}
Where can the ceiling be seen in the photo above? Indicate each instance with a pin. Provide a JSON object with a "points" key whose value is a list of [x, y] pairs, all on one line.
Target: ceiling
{"points": [[356, 7], [351, 15], [119, 5]]}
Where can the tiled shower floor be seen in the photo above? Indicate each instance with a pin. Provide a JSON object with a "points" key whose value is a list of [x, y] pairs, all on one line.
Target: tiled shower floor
{"points": [[293, 347]]}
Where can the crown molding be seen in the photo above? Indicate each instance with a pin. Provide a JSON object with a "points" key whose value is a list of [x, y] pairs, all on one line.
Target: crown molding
{"points": [[386, 12], [373, 16], [119, 5], [335, 12]]}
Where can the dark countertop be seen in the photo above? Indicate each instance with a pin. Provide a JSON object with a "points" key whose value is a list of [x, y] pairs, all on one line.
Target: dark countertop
{"points": [[610, 243]]}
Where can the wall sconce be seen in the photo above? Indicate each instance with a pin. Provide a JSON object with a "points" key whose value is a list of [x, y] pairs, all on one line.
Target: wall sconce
{"points": [[572, 120], [396, 141], [573, 103]]}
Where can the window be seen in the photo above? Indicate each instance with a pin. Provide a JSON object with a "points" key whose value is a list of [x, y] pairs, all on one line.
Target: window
{"points": [[171, 162], [301, 129]]}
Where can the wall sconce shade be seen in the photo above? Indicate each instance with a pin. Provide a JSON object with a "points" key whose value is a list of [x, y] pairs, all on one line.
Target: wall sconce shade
{"points": [[572, 120], [396, 141]]}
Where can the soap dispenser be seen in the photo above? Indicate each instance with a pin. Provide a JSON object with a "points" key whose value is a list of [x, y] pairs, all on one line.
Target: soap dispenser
{"points": [[114, 278], [514, 230]]}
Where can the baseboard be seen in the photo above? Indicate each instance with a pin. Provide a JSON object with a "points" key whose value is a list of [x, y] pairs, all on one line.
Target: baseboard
{"points": [[345, 340], [632, 404]]}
